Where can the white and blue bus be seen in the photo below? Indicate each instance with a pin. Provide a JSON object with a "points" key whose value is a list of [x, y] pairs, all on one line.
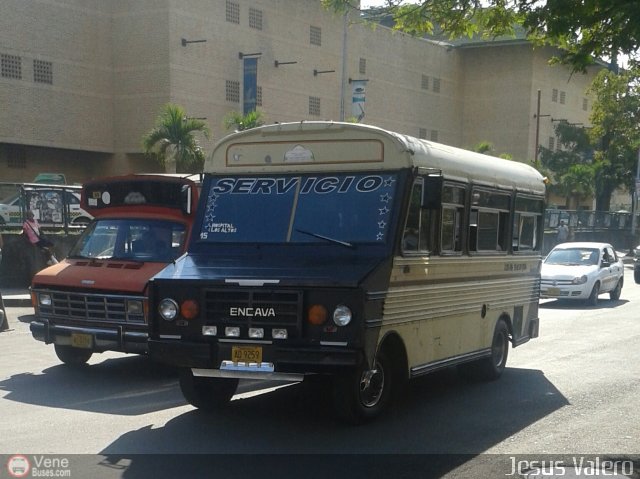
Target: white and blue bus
{"points": [[351, 251]]}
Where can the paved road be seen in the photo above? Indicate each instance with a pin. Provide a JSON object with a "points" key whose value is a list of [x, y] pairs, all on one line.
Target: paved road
{"points": [[575, 391]]}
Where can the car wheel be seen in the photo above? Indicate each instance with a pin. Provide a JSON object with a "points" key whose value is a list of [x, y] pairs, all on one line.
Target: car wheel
{"points": [[593, 297], [636, 275], [362, 394], [208, 394], [615, 293], [72, 356]]}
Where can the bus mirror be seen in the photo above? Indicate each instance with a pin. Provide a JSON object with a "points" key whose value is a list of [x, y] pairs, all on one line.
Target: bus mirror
{"points": [[186, 199], [432, 192]]}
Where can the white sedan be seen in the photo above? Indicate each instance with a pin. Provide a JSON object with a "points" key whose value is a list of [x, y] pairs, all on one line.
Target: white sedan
{"points": [[582, 271]]}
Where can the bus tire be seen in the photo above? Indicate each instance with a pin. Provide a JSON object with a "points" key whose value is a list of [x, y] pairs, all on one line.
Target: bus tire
{"points": [[362, 394], [72, 356], [492, 367], [208, 394]]}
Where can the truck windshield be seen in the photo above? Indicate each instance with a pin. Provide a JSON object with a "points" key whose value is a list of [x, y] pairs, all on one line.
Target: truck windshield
{"points": [[342, 209], [134, 239]]}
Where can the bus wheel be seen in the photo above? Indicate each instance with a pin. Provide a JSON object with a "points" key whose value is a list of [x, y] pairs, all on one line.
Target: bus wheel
{"points": [[206, 393], [491, 368], [72, 356], [362, 394]]}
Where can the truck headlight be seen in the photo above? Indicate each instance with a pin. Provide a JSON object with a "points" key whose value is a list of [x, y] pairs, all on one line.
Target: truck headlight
{"points": [[44, 299], [168, 309], [342, 315]]}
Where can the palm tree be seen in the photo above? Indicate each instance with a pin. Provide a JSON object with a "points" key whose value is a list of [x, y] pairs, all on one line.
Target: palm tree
{"points": [[172, 141], [242, 122]]}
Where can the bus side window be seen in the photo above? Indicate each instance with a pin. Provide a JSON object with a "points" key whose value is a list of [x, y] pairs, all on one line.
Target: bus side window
{"points": [[419, 228], [453, 200]]}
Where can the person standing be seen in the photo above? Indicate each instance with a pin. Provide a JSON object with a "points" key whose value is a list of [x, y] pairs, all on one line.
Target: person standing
{"points": [[563, 232]]}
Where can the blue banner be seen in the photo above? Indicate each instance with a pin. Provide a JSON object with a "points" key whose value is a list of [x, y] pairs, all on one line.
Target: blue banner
{"points": [[250, 85]]}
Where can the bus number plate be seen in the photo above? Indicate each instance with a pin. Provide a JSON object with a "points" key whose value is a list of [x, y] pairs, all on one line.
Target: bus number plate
{"points": [[80, 340], [246, 354]]}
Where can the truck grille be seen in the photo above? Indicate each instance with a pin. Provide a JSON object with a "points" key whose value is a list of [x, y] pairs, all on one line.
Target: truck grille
{"points": [[255, 308], [92, 307]]}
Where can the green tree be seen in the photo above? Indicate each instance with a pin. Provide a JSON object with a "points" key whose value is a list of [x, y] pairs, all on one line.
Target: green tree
{"points": [[172, 141], [570, 166], [581, 29], [615, 117], [241, 122]]}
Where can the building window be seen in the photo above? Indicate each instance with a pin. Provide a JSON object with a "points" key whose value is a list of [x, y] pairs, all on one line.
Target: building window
{"points": [[233, 12], [232, 91], [315, 35], [552, 143], [42, 72], [554, 95], [585, 104], [258, 95], [11, 66], [422, 133], [255, 18], [434, 135], [314, 105], [16, 157], [362, 66], [425, 82], [436, 85], [563, 97]]}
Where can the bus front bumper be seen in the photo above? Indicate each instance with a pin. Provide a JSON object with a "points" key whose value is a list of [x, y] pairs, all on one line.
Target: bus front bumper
{"points": [[286, 359]]}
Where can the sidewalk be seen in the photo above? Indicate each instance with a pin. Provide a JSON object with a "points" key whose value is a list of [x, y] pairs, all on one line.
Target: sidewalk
{"points": [[16, 297]]}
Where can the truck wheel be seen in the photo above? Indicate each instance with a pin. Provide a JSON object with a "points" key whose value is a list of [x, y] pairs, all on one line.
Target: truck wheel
{"points": [[362, 394], [208, 394], [72, 356]]}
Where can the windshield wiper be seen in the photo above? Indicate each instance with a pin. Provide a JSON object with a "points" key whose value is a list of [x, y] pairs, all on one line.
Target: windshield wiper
{"points": [[326, 238]]}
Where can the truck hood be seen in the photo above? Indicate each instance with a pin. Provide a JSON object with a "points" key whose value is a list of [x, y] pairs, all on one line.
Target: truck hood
{"points": [[120, 276], [249, 271]]}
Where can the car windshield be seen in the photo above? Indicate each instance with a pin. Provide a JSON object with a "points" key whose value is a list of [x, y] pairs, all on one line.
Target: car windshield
{"points": [[134, 239], [574, 256], [342, 209]]}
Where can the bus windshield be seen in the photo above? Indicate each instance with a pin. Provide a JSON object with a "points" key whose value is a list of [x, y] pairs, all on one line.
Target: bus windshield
{"points": [[132, 239], [343, 209]]}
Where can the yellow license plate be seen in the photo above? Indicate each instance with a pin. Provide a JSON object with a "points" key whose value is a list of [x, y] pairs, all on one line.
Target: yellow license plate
{"points": [[553, 291], [246, 354], [81, 340]]}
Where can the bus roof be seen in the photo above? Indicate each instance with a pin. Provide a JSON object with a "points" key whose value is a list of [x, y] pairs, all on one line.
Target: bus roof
{"points": [[325, 146]]}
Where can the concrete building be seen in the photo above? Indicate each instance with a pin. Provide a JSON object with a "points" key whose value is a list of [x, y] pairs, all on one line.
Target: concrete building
{"points": [[82, 80]]}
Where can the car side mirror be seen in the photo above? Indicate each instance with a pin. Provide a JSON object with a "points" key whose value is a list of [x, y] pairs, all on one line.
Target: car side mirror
{"points": [[605, 264]]}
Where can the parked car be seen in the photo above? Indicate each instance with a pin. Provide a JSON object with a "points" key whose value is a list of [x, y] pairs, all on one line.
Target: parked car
{"points": [[582, 271], [46, 204]]}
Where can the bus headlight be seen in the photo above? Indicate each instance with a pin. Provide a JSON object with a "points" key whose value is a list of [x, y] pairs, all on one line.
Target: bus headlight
{"points": [[342, 315], [168, 309]]}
